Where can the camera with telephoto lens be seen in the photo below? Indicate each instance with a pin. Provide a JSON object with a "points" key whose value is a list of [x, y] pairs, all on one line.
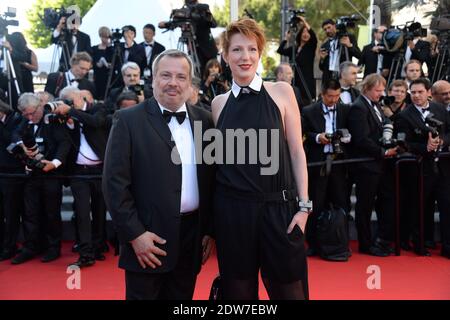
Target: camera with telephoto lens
{"points": [[49, 109], [52, 16], [29, 142], [137, 88], [386, 101], [5, 22], [344, 23], [337, 138], [387, 140], [295, 20], [434, 125], [395, 37]]}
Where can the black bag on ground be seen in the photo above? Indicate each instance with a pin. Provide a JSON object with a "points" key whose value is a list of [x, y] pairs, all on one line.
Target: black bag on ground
{"points": [[332, 235]]}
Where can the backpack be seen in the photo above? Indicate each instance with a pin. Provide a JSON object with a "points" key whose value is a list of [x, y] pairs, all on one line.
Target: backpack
{"points": [[332, 235]]}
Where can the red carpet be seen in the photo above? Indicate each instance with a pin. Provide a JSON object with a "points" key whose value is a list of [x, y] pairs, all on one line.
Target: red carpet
{"points": [[404, 277]]}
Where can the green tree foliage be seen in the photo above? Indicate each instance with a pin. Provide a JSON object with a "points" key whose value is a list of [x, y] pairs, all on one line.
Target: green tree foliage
{"points": [[38, 35]]}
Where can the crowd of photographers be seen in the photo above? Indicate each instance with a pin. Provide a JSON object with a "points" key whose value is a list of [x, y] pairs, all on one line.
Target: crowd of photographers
{"points": [[58, 137]]}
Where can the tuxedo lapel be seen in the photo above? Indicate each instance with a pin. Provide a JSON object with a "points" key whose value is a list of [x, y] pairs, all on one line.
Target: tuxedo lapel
{"points": [[372, 111], [158, 123]]}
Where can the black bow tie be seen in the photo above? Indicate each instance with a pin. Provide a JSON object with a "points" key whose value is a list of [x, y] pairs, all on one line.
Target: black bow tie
{"points": [[148, 45], [73, 80], [425, 109], [346, 90], [181, 116]]}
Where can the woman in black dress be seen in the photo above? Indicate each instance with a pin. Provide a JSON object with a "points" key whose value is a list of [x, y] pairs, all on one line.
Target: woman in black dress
{"points": [[102, 56], [258, 222], [305, 53], [214, 82], [24, 59]]}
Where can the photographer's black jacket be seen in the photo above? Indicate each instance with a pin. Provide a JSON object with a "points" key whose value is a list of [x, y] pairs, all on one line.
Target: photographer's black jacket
{"points": [[93, 124], [57, 81], [55, 141], [8, 134], [354, 51], [410, 122], [83, 43], [313, 123]]}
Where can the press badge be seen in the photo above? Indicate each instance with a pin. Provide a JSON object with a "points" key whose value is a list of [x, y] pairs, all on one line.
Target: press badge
{"points": [[147, 73]]}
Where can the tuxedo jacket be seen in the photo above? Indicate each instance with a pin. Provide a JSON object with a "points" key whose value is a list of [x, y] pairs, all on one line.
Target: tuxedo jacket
{"points": [[9, 134], [137, 55], [366, 130], [313, 123], [83, 44], [156, 50], [410, 122], [142, 185], [352, 52], [57, 81], [369, 59], [92, 122], [354, 93]]}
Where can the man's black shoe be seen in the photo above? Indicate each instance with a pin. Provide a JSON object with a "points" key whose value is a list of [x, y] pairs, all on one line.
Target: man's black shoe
{"points": [[430, 244], [375, 251], [22, 257], [51, 255], [405, 246], [7, 254], [384, 245], [83, 262], [422, 252], [75, 248], [99, 256]]}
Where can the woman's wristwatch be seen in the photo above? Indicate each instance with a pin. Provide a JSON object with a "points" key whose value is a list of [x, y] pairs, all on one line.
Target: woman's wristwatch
{"points": [[305, 206]]}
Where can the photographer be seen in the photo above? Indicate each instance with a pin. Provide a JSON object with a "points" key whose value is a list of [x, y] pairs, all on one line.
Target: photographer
{"points": [[88, 133], [24, 60], [102, 55], [131, 51], [417, 48], [131, 78], [441, 93], [214, 83], [305, 52], [427, 128], [11, 189], [202, 20], [348, 75], [195, 98], [42, 193], [283, 72], [80, 64], [68, 31], [399, 90], [152, 49], [365, 122], [333, 51], [372, 54], [321, 122]]}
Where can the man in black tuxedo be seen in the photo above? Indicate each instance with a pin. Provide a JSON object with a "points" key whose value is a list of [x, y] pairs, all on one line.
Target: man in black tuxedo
{"points": [[427, 139], [89, 134], [11, 190], [348, 74], [365, 122], [441, 93], [131, 79], [76, 40], [80, 64], [131, 51], [372, 54], [319, 121], [330, 49], [161, 209], [285, 73], [152, 49], [42, 192]]}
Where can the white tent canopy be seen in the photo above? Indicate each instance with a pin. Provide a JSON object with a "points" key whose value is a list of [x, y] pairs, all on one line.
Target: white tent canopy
{"points": [[116, 14]]}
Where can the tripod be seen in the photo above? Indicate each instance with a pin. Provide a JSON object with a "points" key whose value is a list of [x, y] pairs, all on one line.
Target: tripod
{"points": [[442, 65], [65, 54], [10, 72], [296, 68], [187, 43], [117, 57], [396, 67]]}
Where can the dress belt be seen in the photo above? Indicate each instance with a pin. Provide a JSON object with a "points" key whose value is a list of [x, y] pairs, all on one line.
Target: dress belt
{"points": [[283, 195]]}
